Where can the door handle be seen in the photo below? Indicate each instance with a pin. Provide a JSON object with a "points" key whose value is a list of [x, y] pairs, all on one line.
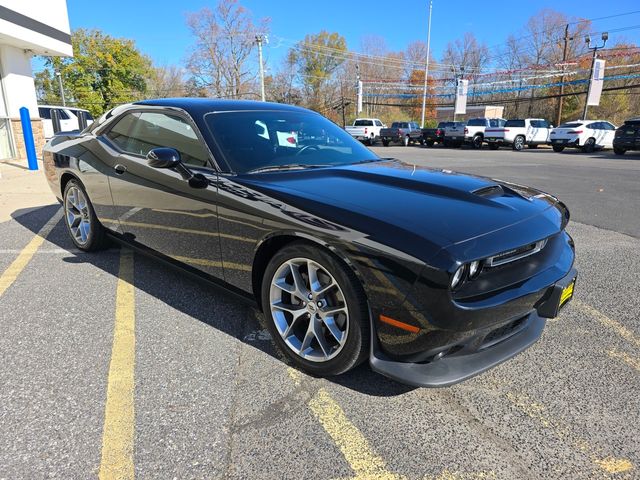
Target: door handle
{"points": [[120, 169]]}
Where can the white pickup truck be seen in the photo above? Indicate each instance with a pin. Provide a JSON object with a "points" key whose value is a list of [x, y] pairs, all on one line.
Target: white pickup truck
{"points": [[518, 133], [366, 130]]}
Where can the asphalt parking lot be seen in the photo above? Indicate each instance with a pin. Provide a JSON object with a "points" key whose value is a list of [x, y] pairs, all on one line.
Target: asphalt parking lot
{"points": [[199, 391]]}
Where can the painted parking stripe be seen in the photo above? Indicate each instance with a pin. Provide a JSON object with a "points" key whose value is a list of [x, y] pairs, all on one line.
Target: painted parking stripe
{"points": [[614, 325], [26, 254], [354, 446], [118, 431]]}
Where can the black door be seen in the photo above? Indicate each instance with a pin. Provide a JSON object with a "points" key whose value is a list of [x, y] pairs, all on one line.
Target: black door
{"points": [[157, 208]]}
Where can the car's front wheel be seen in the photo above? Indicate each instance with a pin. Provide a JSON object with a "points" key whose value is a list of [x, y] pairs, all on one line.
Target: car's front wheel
{"points": [[86, 232], [315, 310], [589, 145], [619, 151], [518, 143]]}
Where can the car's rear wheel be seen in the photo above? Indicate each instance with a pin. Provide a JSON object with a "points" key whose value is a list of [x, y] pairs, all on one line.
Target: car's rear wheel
{"points": [[316, 310], [430, 143], [619, 151], [385, 143], [405, 140], [518, 143], [558, 148], [372, 140], [477, 142], [589, 146], [82, 224]]}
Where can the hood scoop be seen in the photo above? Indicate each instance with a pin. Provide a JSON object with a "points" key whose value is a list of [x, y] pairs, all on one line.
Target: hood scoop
{"points": [[490, 191]]}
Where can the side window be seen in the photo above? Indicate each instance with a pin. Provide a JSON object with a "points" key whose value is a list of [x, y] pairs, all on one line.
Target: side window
{"points": [[62, 114], [149, 130], [44, 113], [378, 123], [594, 126], [536, 123]]}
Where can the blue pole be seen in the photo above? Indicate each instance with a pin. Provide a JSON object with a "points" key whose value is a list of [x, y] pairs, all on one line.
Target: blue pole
{"points": [[29, 146]]}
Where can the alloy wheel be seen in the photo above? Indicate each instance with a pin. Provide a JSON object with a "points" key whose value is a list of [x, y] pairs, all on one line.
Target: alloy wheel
{"points": [[309, 309], [76, 209]]}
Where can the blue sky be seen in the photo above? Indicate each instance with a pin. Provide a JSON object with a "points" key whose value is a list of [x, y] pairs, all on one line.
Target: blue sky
{"points": [[159, 28]]}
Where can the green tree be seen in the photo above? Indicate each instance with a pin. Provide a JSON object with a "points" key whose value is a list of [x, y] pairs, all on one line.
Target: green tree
{"points": [[104, 72], [316, 58]]}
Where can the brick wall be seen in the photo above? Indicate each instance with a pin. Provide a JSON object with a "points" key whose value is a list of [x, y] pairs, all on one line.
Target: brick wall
{"points": [[18, 138]]}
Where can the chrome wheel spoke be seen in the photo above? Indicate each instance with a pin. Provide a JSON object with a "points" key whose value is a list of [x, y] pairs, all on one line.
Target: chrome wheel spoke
{"points": [[309, 309], [77, 215]]}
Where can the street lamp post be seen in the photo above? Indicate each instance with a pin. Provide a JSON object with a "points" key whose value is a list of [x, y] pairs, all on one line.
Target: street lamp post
{"points": [[64, 103], [259, 40], [426, 68], [595, 48]]}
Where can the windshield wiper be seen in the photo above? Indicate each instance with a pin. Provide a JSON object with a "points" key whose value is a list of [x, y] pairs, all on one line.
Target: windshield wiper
{"points": [[290, 166]]}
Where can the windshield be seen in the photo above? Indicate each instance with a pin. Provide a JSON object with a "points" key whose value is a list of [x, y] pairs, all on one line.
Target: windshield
{"points": [[253, 140]]}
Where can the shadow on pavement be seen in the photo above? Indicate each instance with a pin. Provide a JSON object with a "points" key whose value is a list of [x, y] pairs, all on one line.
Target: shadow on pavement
{"points": [[197, 300]]}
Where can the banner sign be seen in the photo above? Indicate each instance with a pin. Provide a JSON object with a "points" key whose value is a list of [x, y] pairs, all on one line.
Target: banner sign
{"points": [[461, 97], [597, 80]]}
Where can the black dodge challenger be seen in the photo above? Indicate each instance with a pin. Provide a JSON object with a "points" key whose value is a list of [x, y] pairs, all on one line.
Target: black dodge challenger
{"points": [[433, 275]]}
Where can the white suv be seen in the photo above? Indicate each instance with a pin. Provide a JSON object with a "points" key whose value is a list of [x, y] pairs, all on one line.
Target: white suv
{"points": [[518, 133], [68, 118], [587, 135]]}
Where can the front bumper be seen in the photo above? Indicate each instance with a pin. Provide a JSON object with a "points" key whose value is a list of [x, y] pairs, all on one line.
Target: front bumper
{"points": [[483, 351]]}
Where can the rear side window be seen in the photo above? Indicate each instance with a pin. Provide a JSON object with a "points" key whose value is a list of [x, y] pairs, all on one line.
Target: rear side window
{"points": [[138, 133], [44, 113], [595, 125], [378, 123], [363, 123], [477, 122], [570, 125], [514, 123], [496, 122]]}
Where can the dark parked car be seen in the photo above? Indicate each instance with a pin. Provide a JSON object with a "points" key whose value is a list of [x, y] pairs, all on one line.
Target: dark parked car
{"points": [[627, 137], [431, 136], [401, 132], [432, 276]]}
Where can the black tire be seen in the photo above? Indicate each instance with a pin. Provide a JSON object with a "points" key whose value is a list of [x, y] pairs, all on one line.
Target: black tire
{"points": [[96, 238], [430, 143], [356, 346], [619, 151], [493, 146], [518, 143], [421, 141], [589, 146], [477, 142], [558, 148], [385, 143], [405, 141], [372, 141]]}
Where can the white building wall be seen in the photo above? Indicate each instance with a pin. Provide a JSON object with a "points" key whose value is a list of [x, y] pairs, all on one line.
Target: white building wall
{"points": [[17, 81]]}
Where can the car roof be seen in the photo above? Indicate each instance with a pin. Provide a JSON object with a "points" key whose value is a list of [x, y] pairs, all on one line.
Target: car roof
{"points": [[63, 108], [201, 106]]}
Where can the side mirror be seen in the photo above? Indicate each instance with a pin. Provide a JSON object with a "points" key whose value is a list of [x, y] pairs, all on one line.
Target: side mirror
{"points": [[163, 158]]}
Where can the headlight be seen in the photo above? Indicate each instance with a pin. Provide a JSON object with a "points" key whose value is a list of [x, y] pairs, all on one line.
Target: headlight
{"points": [[474, 269], [457, 277]]}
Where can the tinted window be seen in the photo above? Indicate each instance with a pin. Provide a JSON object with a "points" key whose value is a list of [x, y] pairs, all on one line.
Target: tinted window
{"points": [[571, 125], [363, 123], [378, 123], [445, 124], [496, 122], [138, 133], [634, 122], [514, 123], [477, 122], [608, 126], [255, 139], [44, 113], [595, 125]]}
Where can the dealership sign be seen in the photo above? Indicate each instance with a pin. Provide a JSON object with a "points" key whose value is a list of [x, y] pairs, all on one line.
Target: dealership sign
{"points": [[461, 96], [597, 79]]}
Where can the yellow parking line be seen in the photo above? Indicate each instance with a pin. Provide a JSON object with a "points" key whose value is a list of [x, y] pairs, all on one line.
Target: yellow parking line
{"points": [[620, 329], [26, 254], [118, 432], [626, 358], [538, 412], [353, 445]]}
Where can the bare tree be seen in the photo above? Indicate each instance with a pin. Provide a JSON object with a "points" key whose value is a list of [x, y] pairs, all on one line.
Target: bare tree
{"points": [[466, 53], [225, 40], [167, 81]]}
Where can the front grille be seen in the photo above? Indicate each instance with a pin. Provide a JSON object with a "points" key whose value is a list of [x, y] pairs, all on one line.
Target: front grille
{"points": [[515, 254], [503, 332]]}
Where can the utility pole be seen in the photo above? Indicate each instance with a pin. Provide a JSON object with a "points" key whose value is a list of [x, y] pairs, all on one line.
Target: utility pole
{"points": [[562, 79], [259, 39], [595, 48], [64, 103], [426, 68]]}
